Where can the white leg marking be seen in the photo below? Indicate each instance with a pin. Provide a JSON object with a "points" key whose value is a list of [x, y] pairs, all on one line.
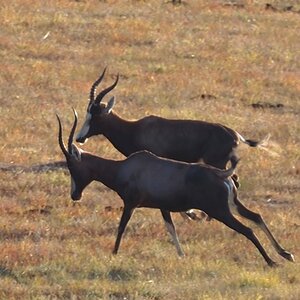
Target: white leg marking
{"points": [[171, 230], [270, 236]]}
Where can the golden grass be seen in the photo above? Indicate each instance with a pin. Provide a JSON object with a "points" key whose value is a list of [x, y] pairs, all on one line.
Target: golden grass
{"points": [[170, 59]]}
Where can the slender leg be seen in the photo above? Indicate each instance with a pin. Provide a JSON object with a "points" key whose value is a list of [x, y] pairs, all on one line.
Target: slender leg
{"points": [[229, 220], [258, 220], [171, 228], [235, 179], [124, 220]]}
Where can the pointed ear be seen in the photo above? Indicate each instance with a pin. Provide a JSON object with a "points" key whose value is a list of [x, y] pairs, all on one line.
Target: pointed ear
{"points": [[76, 152], [110, 105]]}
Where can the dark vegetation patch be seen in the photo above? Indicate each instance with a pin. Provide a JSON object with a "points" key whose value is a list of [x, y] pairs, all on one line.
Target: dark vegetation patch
{"points": [[38, 168], [263, 105], [284, 8], [39, 211], [204, 97], [5, 272], [119, 274]]}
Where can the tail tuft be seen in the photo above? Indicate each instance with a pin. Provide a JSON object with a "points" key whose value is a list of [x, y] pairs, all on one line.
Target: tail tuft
{"points": [[252, 143], [262, 143]]}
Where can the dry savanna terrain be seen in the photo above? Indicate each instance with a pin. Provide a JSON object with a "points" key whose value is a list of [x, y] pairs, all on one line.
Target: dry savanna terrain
{"points": [[232, 62]]}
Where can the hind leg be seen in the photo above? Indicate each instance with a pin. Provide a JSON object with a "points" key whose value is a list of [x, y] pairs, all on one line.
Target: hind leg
{"points": [[235, 179], [228, 219], [258, 220]]}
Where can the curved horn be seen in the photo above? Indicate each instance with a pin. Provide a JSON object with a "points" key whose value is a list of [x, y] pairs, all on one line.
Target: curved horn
{"points": [[94, 86], [70, 141], [60, 140], [106, 91]]}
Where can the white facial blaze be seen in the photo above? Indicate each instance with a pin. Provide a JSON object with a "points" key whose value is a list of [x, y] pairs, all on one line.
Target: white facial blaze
{"points": [[85, 128]]}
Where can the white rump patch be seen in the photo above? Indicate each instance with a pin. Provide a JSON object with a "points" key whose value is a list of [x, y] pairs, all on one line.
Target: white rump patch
{"points": [[230, 185]]}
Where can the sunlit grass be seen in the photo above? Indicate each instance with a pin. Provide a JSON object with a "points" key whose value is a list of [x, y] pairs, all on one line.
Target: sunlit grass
{"points": [[202, 60]]}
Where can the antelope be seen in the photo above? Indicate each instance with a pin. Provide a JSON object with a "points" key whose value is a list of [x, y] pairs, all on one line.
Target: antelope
{"points": [[183, 140], [146, 180]]}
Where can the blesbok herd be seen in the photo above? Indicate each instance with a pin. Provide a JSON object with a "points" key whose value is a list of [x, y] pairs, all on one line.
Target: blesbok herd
{"points": [[162, 168]]}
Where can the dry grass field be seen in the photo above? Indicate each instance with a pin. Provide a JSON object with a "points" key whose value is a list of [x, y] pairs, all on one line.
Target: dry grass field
{"points": [[233, 62]]}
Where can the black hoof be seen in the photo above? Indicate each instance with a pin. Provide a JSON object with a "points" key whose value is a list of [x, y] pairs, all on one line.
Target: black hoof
{"points": [[273, 264], [287, 255]]}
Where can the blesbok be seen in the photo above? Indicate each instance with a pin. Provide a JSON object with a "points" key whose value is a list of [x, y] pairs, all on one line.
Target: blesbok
{"points": [[146, 180], [183, 140]]}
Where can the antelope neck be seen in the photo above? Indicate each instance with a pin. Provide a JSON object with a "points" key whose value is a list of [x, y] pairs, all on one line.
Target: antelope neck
{"points": [[120, 133], [105, 171]]}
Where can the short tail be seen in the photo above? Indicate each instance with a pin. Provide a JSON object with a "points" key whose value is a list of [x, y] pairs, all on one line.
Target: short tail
{"points": [[228, 172], [263, 144], [252, 143]]}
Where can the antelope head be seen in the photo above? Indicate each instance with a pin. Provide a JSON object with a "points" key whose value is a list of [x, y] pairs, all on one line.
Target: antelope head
{"points": [[77, 161], [96, 111]]}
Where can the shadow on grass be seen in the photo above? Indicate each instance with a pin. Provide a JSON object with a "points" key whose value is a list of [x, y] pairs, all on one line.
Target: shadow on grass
{"points": [[38, 168], [118, 274], [4, 272]]}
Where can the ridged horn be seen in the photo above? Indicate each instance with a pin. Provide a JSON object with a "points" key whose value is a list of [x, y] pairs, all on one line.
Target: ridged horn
{"points": [[71, 136], [60, 139], [94, 87], [106, 91]]}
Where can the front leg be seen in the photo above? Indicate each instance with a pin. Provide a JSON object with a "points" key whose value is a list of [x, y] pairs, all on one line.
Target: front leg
{"points": [[171, 228], [127, 213]]}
